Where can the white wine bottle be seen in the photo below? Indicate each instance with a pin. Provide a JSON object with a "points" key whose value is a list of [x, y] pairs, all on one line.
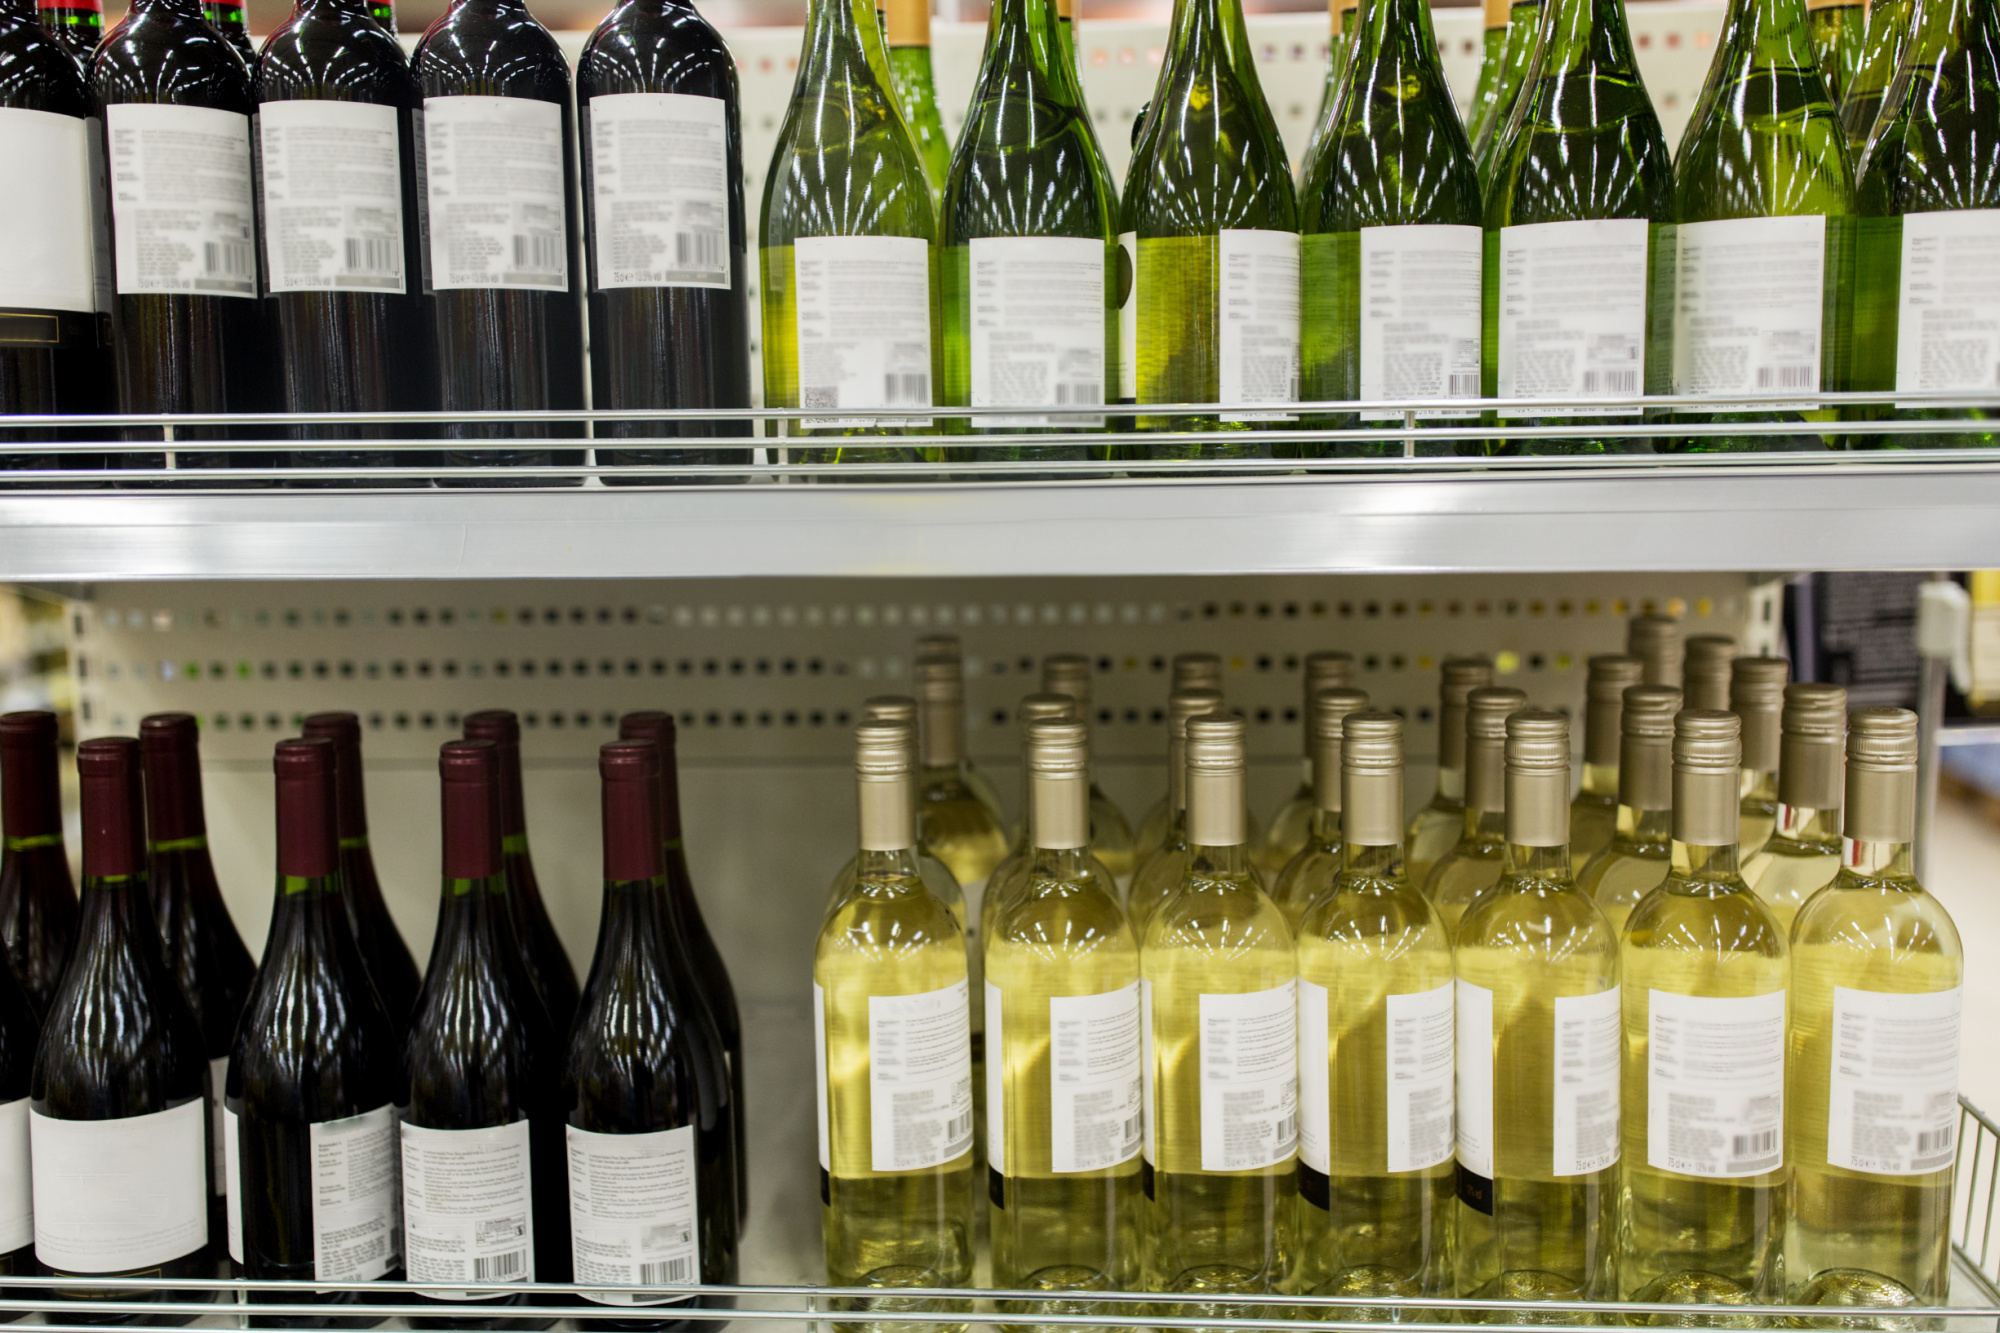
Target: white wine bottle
{"points": [[1872, 1092], [1218, 991], [893, 1056], [1705, 671], [1757, 695], [1703, 965], [1033, 708], [1161, 870], [1110, 833], [906, 28], [1292, 824], [1593, 815], [1308, 874], [1537, 1029], [1656, 641], [1434, 830], [1064, 1053], [1640, 852], [1803, 853], [901, 710], [952, 822], [1474, 862], [1520, 25], [1339, 50], [1190, 671], [947, 645], [1375, 1052]]}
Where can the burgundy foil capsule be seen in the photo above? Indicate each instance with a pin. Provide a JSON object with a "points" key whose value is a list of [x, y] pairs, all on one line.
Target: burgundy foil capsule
{"points": [[344, 730], [503, 729], [631, 773], [308, 824], [470, 773], [171, 746], [658, 727], [30, 786], [114, 813]]}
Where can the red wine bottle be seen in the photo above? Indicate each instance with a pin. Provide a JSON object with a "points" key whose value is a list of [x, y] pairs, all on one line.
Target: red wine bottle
{"points": [[548, 963], [501, 263], [37, 899], [700, 960], [663, 210], [388, 959], [316, 1073], [77, 25], [119, 1110], [652, 1187], [20, 1033], [226, 17], [197, 938], [484, 1069]]}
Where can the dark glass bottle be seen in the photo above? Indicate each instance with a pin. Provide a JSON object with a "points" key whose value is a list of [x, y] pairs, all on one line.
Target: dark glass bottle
{"points": [[316, 1073], [77, 25], [667, 307], [20, 1033], [197, 939], [37, 898], [390, 966], [226, 17], [508, 329], [347, 295], [646, 1106], [542, 950], [485, 1070], [700, 961], [120, 1074]]}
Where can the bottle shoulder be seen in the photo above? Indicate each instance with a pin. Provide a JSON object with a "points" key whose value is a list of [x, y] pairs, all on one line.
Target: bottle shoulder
{"points": [[1215, 165], [491, 52], [36, 74], [1535, 918], [1588, 146], [1394, 154], [1714, 919], [673, 49], [1210, 914], [888, 918], [344, 58], [161, 56], [1892, 917], [1373, 918]]}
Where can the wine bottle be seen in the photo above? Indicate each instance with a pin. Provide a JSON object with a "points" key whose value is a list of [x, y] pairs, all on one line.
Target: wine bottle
{"points": [[541, 948], [846, 230], [76, 25], [1763, 185], [1189, 671], [895, 1133], [1069, 674], [1161, 870], [1340, 41], [1890, 25], [648, 1118], [383, 950], [37, 900], [119, 1108], [227, 18], [1877, 975], [1656, 641], [953, 822], [1008, 875], [901, 710], [198, 941], [1218, 995], [499, 228], [1537, 1027], [662, 135], [1508, 44], [1375, 1051], [1064, 1068], [1066, 43], [1837, 30], [948, 646], [1639, 854], [1478, 858], [1434, 830], [1802, 855], [315, 1074], [704, 977], [1702, 961], [1593, 815], [908, 33], [1757, 695], [341, 238], [1579, 183], [1705, 673], [1028, 228], [484, 1067], [1390, 208], [1215, 220], [20, 1033], [1304, 878], [1291, 826]]}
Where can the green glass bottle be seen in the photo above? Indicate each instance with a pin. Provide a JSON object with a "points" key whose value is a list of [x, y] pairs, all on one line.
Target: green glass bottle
{"points": [[1390, 212], [1763, 190], [1890, 23], [1030, 238], [908, 31], [1510, 75], [847, 228], [1837, 31], [1492, 45], [1929, 200], [1339, 45], [1215, 224], [1581, 182]]}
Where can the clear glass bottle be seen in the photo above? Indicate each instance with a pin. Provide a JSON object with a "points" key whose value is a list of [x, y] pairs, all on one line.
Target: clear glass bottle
{"points": [[1639, 854], [1656, 641], [1593, 815], [1311, 870], [1189, 671], [901, 710], [1434, 830], [1803, 853], [1757, 695], [1110, 834], [957, 827], [1162, 869], [1218, 992], [947, 645], [1537, 1030], [1291, 826], [1703, 966], [1007, 876], [1476, 859], [889, 974], [1871, 1098], [1065, 1066], [1376, 997], [1705, 671]]}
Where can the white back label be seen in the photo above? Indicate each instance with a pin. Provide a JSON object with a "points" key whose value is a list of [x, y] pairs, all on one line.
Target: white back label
{"points": [[47, 252], [1589, 1046], [1249, 1078], [1419, 1077], [1420, 299], [1257, 295], [864, 323], [1095, 1111], [467, 1206], [333, 196], [356, 1196], [17, 1181], [632, 1212], [1037, 326], [232, 1170], [1892, 1091], [1315, 1079], [1715, 1083], [1148, 1073], [1472, 1034], [183, 220], [1750, 294], [659, 186], [1572, 317], [115, 1195], [996, 1081], [919, 1078], [819, 1075], [1948, 319], [498, 215]]}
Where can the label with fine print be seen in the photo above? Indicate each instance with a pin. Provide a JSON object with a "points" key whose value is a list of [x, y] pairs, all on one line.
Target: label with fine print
{"points": [[1421, 1058], [1472, 1035], [1715, 1083], [819, 1075], [919, 1078], [467, 1206], [1095, 1109], [232, 1171], [1892, 1090], [1589, 1044], [183, 219], [47, 259], [1249, 1078], [1948, 319], [115, 1195], [1315, 1079], [864, 326], [356, 1200], [632, 1212], [1037, 327], [1749, 297], [1572, 311], [333, 196], [1257, 317], [1147, 1073], [1420, 298], [659, 187], [996, 1082], [498, 215]]}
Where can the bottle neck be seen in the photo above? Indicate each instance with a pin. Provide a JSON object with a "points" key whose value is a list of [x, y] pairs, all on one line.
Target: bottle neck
{"points": [[1059, 811], [1772, 32], [1209, 28], [1645, 826], [309, 899], [878, 866], [12, 845], [1540, 863], [1216, 811], [942, 733], [840, 33], [1326, 828], [1800, 823], [1760, 785], [1601, 780], [1706, 863], [1942, 27], [1218, 860], [1065, 864], [1451, 786], [1488, 826], [1573, 36], [888, 814], [1879, 860], [1365, 862], [1399, 26], [1485, 775]]}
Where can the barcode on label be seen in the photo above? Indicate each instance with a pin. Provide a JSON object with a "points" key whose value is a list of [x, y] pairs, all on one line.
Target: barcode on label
{"points": [[1935, 1148], [537, 253], [1131, 1130], [1462, 384], [958, 1128], [1787, 377], [1078, 393], [698, 249], [1611, 381], [667, 1271], [913, 389], [229, 259], [371, 254], [496, 1267], [1753, 1150], [1288, 1128]]}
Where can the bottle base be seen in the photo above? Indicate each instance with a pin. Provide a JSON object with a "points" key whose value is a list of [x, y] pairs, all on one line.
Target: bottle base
{"points": [[1860, 1288]]}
